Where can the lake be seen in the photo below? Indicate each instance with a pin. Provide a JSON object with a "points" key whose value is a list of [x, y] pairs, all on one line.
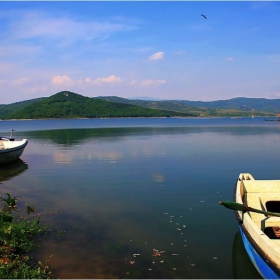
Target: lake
{"points": [[116, 189]]}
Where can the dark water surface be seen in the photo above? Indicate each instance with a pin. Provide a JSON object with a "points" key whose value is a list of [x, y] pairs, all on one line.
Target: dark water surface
{"points": [[118, 188]]}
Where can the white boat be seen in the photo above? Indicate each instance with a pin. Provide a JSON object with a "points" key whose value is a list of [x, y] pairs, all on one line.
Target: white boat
{"points": [[11, 149], [259, 223]]}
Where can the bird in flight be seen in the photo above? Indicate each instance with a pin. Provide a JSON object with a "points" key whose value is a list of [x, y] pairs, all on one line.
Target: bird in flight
{"points": [[204, 16]]}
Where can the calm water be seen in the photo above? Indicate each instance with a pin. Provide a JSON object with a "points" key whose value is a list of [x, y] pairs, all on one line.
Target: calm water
{"points": [[120, 187]]}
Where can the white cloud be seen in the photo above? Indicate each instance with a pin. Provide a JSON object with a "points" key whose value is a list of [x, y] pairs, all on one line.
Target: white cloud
{"points": [[109, 80], [67, 81], [156, 56], [62, 80]]}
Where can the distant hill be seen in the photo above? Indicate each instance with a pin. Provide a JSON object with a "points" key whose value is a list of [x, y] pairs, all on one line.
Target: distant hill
{"points": [[240, 103], [233, 107], [67, 104], [8, 109]]}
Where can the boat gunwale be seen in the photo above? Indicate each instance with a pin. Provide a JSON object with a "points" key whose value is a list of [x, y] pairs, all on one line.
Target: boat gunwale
{"points": [[16, 148], [269, 261]]}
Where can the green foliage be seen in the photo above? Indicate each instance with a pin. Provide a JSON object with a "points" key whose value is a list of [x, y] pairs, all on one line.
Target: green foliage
{"points": [[17, 237], [67, 104], [20, 268], [71, 105], [232, 107], [8, 109], [10, 202]]}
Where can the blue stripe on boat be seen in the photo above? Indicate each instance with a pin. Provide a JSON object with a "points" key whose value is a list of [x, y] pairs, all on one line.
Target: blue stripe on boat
{"points": [[260, 264]]}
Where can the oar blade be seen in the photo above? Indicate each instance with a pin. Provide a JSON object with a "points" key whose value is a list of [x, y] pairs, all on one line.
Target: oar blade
{"points": [[234, 206]]}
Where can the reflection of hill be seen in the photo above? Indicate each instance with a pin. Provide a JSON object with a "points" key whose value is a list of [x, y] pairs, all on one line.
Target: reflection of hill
{"points": [[69, 137], [242, 266], [12, 169]]}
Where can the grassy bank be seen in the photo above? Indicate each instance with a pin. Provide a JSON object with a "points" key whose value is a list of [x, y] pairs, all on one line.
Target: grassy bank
{"points": [[18, 237]]}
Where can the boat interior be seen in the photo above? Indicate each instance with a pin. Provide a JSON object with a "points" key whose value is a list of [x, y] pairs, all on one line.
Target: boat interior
{"points": [[1, 145], [263, 195]]}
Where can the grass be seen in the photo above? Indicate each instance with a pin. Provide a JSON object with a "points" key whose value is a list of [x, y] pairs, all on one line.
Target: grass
{"points": [[18, 236]]}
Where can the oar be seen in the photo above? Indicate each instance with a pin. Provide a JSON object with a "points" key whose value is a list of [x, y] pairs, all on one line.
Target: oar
{"points": [[241, 207]]}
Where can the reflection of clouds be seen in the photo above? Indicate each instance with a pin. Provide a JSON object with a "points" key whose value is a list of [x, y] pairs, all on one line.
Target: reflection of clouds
{"points": [[148, 151], [111, 156], [159, 178], [60, 157], [153, 150]]}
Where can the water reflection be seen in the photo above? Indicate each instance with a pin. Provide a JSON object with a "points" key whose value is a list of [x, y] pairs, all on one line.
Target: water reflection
{"points": [[72, 137], [242, 267], [10, 170], [121, 191]]}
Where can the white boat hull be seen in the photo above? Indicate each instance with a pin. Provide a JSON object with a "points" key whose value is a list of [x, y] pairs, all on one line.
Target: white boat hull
{"points": [[11, 150], [262, 247]]}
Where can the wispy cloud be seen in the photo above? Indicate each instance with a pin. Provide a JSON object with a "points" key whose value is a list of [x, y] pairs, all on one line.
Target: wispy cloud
{"points": [[62, 80], [156, 56], [148, 83], [65, 80], [108, 80], [36, 24], [20, 81]]}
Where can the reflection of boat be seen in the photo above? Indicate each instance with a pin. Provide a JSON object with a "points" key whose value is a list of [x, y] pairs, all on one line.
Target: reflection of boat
{"points": [[242, 267], [260, 232], [12, 169], [11, 149]]}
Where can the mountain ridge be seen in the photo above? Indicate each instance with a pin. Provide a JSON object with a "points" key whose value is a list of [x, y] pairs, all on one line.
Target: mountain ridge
{"points": [[66, 104]]}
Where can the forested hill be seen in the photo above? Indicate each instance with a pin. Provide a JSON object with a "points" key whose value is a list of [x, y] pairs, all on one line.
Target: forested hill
{"points": [[67, 104], [240, 106]]}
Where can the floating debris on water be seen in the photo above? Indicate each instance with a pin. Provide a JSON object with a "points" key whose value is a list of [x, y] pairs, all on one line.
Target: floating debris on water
{"points": [[171, 243], [162, 261], [174, 268], [192, 264], [184, 226], [150, 269], [166, 213], [190, 208], [215, 258], [134, 255], [156, 253], [132, 262], [178, 229], [174, 254]]}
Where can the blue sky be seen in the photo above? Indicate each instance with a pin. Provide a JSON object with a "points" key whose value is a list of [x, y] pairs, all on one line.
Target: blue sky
{"points": [[162, 50]]}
